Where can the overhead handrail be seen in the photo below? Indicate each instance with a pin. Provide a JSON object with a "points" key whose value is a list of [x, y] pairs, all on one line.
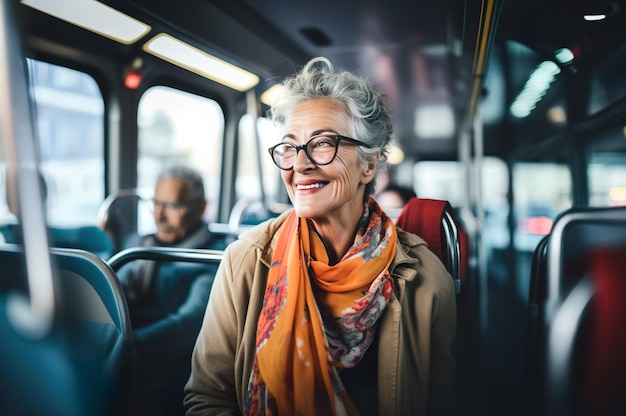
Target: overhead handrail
{"points": [[33, 316]]}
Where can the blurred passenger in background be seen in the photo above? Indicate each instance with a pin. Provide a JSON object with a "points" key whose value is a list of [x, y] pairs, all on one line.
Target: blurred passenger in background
{"points": [[395, 196], [167, 301]]}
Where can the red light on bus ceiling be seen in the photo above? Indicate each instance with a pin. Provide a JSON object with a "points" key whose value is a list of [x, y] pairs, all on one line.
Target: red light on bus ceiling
{"points": [[132, 79]]}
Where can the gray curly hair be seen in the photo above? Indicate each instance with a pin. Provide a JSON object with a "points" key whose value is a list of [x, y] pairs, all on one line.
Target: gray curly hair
{"points": [[190, 177], [362, 100]]}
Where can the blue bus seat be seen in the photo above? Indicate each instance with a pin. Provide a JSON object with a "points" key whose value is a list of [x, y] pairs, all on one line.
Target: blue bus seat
{"points": [[8, 233], [246, 212], [86, 237], [117, 217], [179, 287], [95, 319], [37, 376]]}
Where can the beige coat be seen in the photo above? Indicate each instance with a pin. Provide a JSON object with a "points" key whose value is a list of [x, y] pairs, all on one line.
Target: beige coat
{"points": [[415, 362]]}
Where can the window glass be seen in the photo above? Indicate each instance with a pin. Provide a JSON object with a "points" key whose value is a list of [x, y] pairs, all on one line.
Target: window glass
{"points": [[608, 83], [542, 190], [177, 127], [69, 113], [250, 154], [607, 170], [446, 180]]}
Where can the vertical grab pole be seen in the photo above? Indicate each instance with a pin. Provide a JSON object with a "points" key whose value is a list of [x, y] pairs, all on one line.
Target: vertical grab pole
{"points": [[34, 316], [480, 215]]}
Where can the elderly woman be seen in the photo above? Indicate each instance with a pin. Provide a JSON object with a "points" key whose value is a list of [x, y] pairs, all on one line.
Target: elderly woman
{"points": [[327, 309]]}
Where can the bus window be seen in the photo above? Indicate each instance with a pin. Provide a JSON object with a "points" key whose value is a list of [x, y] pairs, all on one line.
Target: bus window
{"points": [[542, 190], [250, 154], [69, 112], [439, 180], [176, 127], [607, 83], [607, 170], [446, 180]]}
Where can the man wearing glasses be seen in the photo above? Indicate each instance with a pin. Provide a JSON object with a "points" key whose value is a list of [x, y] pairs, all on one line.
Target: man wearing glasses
{"points": [[167, 301]]}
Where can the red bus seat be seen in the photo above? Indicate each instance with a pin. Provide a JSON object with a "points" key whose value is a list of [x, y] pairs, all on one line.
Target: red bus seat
{"points": [[586, 367], [435, 222]]}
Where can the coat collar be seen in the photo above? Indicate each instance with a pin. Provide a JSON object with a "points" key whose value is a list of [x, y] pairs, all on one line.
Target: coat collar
{"points": [[265, 237]]}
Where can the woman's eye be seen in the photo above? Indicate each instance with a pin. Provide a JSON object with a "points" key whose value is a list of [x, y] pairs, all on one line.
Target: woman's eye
{"points": [[324, 143]]}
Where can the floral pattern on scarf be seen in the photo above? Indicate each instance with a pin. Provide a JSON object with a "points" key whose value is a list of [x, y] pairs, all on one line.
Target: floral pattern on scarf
{"points": [[318, 317]]}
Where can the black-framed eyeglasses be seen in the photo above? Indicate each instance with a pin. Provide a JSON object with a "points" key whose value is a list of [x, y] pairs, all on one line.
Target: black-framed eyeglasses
{"points": [[170, 208], [320, 149]]}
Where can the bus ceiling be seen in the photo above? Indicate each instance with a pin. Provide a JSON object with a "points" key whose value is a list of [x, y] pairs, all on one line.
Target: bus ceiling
{"points": [[440, 63]]}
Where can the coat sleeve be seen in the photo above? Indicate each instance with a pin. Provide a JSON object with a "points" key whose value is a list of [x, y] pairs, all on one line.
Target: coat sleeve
{"points": [[211, 389], [443, 338]]}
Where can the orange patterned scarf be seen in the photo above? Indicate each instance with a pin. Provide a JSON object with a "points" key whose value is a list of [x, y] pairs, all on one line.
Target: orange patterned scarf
{"points": [[317, 318]]}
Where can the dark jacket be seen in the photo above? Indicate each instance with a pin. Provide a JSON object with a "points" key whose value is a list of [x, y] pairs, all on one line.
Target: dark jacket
{"points": [[166, 303]]}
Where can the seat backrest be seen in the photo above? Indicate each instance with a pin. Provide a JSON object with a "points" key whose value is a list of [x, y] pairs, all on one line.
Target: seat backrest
{"points": [[535, 341], [435, 222], [605, 364], [95, 317], [586, 366], [117, 217], [574, 234], [180, 265], [561, 261], [246, 212], [85, 237]]}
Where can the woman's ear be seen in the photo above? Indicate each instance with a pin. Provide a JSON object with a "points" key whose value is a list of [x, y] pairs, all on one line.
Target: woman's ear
{"points": [[369, 171]]}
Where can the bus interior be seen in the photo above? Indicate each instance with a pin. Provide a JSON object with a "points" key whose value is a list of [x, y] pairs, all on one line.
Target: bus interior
{"points": [[513, 111]]}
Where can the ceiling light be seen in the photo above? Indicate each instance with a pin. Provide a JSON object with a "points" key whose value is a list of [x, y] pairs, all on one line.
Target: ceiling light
{"points": [[269, 95], [564, 55], [94, 16], [534, 89], [186, 56], [594, 17], [598, 10]]}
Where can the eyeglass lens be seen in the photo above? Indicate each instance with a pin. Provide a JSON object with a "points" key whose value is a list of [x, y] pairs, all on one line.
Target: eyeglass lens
{"points": [[321, 150]]}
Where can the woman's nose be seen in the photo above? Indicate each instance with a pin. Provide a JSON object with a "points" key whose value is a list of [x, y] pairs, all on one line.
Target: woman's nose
{"points": [[302, 161]]}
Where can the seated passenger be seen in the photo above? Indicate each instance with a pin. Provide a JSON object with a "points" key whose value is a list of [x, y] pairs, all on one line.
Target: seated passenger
{"points": [[167, 301], [394, 196]]}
